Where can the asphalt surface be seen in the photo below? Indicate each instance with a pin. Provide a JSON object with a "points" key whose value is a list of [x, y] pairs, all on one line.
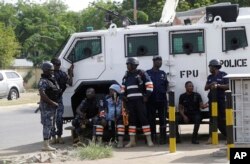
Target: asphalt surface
{"points": [[21, 133]]}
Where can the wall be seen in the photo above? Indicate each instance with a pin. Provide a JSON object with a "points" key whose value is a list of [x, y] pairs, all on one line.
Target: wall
{"points": [[30, 75]]}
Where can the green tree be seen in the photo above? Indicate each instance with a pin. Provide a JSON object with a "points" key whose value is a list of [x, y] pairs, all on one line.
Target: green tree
{"points": [[148, 10], [43, 28], [9, 47]]}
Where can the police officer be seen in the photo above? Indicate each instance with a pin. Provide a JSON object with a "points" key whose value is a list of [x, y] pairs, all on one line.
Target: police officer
{"points": [[49, 92], [215, 81], [136, 88], [87, 116], [62, 79], [158, 99], [112, 115], [190, 104]]}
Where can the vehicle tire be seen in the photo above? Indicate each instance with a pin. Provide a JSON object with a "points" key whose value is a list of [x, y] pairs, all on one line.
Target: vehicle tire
{"points": [[13, 94]]}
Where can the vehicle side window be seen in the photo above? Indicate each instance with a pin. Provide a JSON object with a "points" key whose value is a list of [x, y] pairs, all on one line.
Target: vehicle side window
{"points": [[186, 42], [11, 75], [234, 38], [85, 48], [1, 76], [145, 44]]}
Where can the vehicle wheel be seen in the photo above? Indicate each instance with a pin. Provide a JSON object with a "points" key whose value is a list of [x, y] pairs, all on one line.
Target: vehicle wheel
{"points": [[13, 94]]}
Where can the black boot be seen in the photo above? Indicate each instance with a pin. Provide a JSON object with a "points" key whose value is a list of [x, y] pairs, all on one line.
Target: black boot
{"points": [[163, 136], [195, 134], [194, 139]]}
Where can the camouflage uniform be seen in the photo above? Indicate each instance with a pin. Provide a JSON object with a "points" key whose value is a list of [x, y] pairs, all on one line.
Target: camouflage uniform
{"points": [[47, 111]]}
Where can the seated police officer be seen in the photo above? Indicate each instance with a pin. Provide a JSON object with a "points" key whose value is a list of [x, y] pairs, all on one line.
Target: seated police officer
{"points": [[111, 117], [190, 104], [87, 115], [49, 93]]}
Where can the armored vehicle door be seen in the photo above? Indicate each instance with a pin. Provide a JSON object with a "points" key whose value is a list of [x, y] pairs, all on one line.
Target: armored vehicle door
{"points": [[87, 54], [187, 60]]}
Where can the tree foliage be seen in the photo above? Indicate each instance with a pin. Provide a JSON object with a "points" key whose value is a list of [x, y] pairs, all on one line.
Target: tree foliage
{"points": [[9, 47], [40, 29]]}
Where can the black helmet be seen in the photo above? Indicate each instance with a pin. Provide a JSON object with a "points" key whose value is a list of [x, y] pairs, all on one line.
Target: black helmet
{"points": [[47, 66], [132, 60], [157, 58], [215, 63]]}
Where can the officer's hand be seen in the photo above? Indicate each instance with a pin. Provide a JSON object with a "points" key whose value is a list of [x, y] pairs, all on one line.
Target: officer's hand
{"points": [[205, 105], [70, 70], [213, 85], [55, 104]]}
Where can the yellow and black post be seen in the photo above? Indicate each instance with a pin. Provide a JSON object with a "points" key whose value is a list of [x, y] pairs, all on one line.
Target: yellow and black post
{"points": [[214, 118], [172, 129], [229, 122]]}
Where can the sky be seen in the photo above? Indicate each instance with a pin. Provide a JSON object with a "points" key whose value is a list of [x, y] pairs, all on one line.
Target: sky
{"points": [[75, 5]]}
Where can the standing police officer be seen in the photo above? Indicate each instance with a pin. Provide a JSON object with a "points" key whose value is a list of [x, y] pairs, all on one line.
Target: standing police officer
{"points": [[62, 79], [136, 88], [158, 99], [215, 81], [49, 93]]}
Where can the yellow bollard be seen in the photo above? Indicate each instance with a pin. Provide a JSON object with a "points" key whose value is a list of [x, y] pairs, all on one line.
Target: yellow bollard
{"points": [[214, 118], [172, 129], [229, 122]]}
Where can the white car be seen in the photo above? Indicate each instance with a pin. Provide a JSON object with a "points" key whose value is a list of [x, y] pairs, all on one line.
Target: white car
{"points": [[11, 84]]}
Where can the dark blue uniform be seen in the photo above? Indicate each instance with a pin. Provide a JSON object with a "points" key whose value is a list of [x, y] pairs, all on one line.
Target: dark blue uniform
{"points": [[61, 78], [158, 101], [220, 98], [135, 85]]}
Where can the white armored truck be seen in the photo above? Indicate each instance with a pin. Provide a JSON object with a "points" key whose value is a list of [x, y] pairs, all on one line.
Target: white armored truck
{"points": [[186, 45]]}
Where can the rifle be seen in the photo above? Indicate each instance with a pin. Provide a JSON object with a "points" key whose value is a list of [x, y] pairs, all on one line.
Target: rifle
{"points": [[110, 13], [83, 121], [37, 109]]}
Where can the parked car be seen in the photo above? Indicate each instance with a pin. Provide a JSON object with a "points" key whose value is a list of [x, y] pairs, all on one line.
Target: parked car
{"points": [[11, 84]]}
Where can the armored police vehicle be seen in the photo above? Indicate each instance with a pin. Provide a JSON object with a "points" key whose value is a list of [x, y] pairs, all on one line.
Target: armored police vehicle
{"points": [[186, 42]]}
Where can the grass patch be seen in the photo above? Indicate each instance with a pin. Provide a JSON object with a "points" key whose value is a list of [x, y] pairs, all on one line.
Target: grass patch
{"points": [[94, 151]]}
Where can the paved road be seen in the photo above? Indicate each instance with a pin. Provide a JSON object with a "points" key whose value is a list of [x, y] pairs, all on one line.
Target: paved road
{"points": [[21, 133], [20, 126]]}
